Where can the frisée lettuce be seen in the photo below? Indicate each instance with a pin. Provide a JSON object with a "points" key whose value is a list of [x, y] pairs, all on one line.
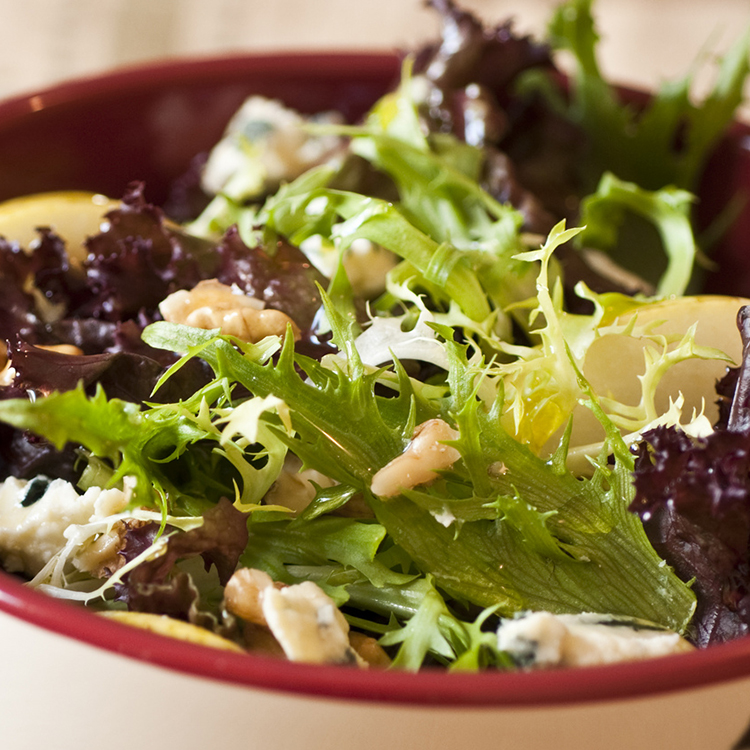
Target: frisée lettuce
{"points": [[401, 462]]}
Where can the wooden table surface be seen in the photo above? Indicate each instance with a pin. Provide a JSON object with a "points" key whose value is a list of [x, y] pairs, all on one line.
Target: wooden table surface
{"points": [[45, 41]]}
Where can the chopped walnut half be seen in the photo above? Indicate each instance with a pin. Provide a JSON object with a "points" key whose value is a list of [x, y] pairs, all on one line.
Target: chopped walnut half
{"points": [[243, 594], [369, 649], [211, 304], [425, 455], [295, 489], [258, 639]]}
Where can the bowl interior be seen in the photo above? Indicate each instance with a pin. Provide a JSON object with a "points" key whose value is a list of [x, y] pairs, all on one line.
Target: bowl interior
{"points": [[148, 123]]}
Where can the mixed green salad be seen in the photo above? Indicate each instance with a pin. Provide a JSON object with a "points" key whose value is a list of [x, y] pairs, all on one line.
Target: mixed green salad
{"points": [[402, 385]]}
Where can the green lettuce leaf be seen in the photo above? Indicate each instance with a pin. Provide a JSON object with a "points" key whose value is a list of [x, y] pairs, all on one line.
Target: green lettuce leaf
{"points": [[551, 541], [667, 209], [666, 142]]}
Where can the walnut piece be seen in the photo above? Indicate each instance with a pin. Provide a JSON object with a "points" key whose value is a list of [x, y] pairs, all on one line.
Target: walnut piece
{"points": [[369, 649], [425, 455], [243, 594], [211, 304]]}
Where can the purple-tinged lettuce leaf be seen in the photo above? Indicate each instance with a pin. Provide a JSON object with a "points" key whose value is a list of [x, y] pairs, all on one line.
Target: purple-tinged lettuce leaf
{"points": [[220, 541], [157, 585], [693, 496], [532, 152], [725, 388], [739, 411], [139, 259], [694, 499], [469, 53], [123, 375], [281, 276], [25, 455], [46, 269], [186, 198]]}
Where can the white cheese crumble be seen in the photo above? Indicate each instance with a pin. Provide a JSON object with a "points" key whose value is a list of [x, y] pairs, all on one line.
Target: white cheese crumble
{"points": [[543, 639], [31, 536], [302, 618], [307, 624]]}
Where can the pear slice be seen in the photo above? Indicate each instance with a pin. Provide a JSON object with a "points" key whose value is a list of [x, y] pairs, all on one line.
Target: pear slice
{"points": [[73, 215], [613, 363], [168, 626]]}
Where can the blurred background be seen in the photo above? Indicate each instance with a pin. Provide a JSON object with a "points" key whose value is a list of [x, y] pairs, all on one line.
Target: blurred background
{"points": [[46, 41]]}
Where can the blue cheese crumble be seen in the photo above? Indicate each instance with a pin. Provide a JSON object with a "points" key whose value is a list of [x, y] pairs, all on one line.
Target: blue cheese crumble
{"points": [[543, 639]]}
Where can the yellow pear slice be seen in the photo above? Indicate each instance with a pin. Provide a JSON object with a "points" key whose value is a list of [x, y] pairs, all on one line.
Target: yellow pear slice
{"points": [[73, 215], [168, 626], [614, 362]]}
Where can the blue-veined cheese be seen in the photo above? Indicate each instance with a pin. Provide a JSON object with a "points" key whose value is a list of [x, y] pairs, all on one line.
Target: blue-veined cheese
{"points": [[265, 144], [543, 639]]}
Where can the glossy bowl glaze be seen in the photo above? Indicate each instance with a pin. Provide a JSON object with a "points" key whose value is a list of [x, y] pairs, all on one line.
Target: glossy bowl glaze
{"points": [[73, 679]]}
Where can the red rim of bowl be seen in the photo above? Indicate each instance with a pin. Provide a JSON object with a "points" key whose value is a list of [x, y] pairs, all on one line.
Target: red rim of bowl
{"points": [[630, 680], [376, 64]]}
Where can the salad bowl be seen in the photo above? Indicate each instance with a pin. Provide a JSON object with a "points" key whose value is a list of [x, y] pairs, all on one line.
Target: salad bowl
{"points": [[73, 678]]}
